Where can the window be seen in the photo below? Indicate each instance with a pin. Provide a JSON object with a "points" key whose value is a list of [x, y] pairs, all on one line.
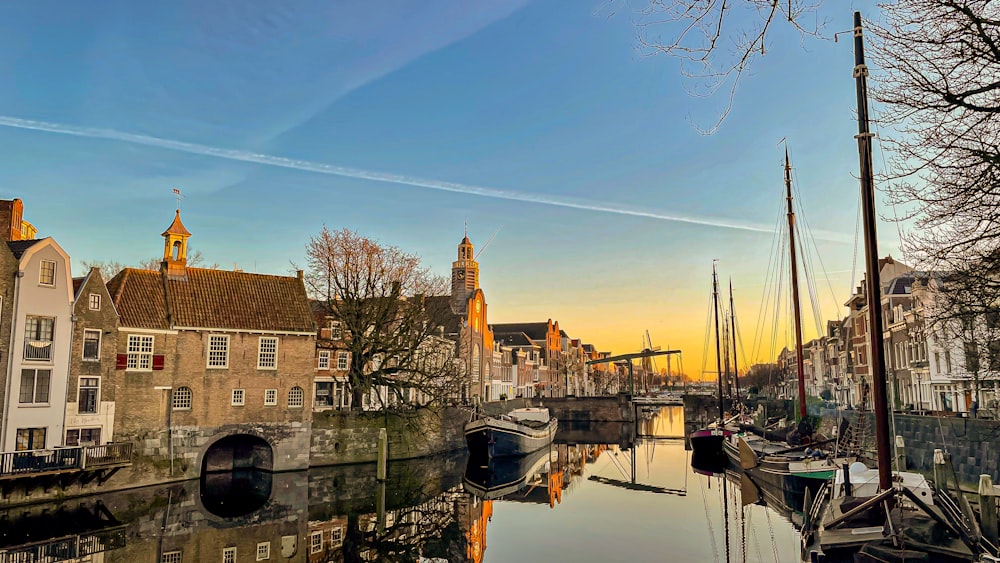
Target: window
{"points": [[336, 332], [35, 386], [218, 350], [171, 557], [337, 536], [91, 345], [83, 436], [323, 362], [267, 353], [343, 360], [296, 397], [324, 394], [94, 301], [30, 439], [971, 357], [947, 360], [38, 338], [140, 352], [229, 555], [270, 397], [87, 396], [47, 273], [315, 542], [182, 399], [263, 551], [239, 397]]}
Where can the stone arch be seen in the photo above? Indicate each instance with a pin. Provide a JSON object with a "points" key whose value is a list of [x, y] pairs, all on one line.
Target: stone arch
{"points": [[237, 451]]}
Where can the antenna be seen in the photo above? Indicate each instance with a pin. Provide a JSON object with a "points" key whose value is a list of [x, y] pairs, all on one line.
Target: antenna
{"points": [[177, 194], [488, 241]]}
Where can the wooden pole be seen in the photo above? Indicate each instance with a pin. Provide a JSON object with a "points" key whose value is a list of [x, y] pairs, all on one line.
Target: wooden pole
{"points": [[718, 351], [988, 494], [799, 363], [383, 454]]}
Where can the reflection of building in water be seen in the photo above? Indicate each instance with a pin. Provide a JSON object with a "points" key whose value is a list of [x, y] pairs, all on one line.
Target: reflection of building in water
{"points": [[84, 532]]}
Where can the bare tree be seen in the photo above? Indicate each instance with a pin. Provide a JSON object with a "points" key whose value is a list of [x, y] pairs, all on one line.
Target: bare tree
{"points": [[390, 308], [716, 41]]}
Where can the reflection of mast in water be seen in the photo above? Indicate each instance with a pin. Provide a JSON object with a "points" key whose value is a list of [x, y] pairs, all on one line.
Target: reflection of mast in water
{"points": [[725, 512]]}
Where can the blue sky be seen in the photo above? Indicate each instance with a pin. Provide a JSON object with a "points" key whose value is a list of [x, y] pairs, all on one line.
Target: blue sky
{"points": [[547, 102]]}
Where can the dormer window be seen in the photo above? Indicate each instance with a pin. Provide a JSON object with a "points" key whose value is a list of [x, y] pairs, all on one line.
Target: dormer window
{"points": [[47, 273]]}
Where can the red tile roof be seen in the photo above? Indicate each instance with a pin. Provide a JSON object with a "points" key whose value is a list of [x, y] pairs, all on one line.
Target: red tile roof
{"points": [[218, 299]]}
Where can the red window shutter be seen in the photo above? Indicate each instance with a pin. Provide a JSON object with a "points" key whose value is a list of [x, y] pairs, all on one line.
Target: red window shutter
{"points": [[158, 362], [122, 361]]}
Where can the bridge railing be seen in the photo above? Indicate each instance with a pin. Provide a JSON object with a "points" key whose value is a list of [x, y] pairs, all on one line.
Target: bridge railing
{"points": [[14, 464]]}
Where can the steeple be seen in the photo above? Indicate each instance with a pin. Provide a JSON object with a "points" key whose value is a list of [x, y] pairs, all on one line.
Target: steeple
{"points": [[464, 274], [175, 247]]}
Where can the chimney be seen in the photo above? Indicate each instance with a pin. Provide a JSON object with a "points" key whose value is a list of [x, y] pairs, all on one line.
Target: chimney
{"points": [[298, 274]]}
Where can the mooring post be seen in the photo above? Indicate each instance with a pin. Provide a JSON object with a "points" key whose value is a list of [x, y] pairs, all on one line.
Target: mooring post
{"points": [[380, 508], [938, 463], [988, 507], [383, 454], [900, 453]]}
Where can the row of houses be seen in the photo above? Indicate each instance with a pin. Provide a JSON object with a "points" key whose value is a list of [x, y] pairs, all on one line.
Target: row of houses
{"points": [[930, 366], [206, 352]]}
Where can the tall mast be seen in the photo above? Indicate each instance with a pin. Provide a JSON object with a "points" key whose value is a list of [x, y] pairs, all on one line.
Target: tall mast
{"points": [[795, 289], [725, 353], [873, 284], [732, 322], [718, 350]]}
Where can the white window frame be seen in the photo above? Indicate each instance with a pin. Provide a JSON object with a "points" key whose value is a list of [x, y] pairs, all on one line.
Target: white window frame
{"points": [[97, 396], [217, 355], [270, 397], [229, 554], [41, 271], [94, 301], [300, 400], [315, 542], [337, 536], [263, 551], [239, 397], [34, 386], [83, 348], [343, 360], [139, 352], [323, 360], [172, 557], [184, 402], [267, 359]]}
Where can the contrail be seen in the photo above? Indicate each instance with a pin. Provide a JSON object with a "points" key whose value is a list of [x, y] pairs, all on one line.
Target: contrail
{"points": [[345, 172]]}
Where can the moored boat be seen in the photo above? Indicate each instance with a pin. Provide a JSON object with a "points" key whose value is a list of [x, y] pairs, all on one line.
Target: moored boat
{"points": [[517, 433]]}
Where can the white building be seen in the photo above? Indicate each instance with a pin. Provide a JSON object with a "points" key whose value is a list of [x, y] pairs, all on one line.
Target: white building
{"points": [[40, 345]]}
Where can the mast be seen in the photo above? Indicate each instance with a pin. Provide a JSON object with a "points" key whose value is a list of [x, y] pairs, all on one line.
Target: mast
{"points": [[795, 289], [725, 353], [718, 350], [732, 322], [872, 282]]}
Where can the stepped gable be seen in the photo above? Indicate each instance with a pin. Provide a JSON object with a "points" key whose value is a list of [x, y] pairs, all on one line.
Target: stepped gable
{"points": [[19, 247], [212, 299]]}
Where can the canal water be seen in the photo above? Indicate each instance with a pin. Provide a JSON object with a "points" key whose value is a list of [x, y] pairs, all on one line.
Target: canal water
{"points": [[597, 494]]}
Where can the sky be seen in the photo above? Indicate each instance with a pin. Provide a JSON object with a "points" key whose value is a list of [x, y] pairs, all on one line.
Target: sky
{"points": [[539, 121]]}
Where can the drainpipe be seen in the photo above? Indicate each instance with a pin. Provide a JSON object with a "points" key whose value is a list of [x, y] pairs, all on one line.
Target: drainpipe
{"points": [[10, 362]]}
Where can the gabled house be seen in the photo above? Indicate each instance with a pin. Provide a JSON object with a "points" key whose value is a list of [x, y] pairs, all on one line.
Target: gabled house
{"points": [[214, 367], [547, 336], [90, 400]]}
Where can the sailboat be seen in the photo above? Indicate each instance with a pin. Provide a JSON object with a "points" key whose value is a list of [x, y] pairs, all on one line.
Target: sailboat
{"points": [[877, 514], [794, 466], [707, 442]]}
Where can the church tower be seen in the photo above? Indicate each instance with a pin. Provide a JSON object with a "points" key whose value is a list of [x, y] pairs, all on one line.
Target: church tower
{"points": [[464, 275], [175, 248]]}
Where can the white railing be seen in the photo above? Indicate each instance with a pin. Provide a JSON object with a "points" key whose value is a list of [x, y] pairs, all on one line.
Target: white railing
{"points": [[38, 350]]}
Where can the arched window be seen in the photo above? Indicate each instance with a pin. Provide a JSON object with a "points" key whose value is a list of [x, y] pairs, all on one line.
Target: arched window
{"points": [[296, 397], [475, 362], [182, 399]]}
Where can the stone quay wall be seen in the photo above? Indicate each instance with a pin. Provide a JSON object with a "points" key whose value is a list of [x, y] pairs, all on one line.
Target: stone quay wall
{"points": [[343, 437], [974, 444], [617, 408]]}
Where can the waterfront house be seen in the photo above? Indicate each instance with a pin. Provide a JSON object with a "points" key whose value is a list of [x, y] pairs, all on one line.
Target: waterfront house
{"points": [[547, 336], [213, 366], [36, 302], [90, 400]]}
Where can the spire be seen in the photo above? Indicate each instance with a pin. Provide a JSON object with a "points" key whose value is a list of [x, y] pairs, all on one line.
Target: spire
{"points": [[176, 228]]}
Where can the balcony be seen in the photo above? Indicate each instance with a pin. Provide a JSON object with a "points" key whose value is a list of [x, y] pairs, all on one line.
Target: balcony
{"points": [[38, 350], [34, 462]]}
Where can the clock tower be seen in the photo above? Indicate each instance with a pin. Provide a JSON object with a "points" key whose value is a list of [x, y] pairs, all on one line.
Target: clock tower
{"points": [[464, 275]]}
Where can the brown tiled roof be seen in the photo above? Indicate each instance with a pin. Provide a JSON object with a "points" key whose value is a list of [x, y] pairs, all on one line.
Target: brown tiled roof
{"points": [[176, 228], [219, 299]]}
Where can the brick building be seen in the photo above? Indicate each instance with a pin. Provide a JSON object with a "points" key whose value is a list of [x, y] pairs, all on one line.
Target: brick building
{"points": [[214, 367]]}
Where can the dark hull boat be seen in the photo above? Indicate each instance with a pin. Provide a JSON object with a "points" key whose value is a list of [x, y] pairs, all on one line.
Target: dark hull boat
{"points": [[518, 433], [497, 478]]}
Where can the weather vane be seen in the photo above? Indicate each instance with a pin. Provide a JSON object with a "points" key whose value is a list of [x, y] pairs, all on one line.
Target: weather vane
{"points": [[177, 194]]}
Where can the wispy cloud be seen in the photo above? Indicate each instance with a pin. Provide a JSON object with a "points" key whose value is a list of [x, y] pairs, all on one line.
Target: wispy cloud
{"points": [[345, 172]]}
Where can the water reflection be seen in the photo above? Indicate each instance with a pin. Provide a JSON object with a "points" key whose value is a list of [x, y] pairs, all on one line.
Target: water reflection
{"points": [[628, 494]]}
